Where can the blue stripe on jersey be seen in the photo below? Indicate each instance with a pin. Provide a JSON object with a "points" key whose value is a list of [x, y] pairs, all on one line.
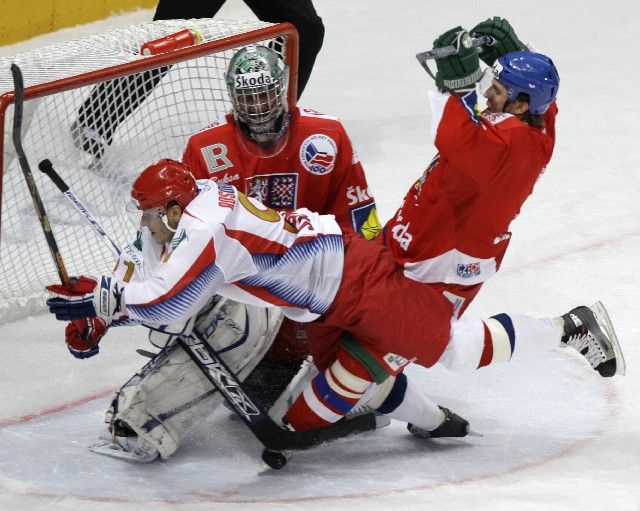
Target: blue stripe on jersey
{"points": [[286, 264], [396, 396], [328, 396], [172, 309], [299, 252]]}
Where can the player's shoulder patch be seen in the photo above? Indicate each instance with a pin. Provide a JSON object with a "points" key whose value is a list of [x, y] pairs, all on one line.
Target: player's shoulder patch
{"points": [[318, 153]]}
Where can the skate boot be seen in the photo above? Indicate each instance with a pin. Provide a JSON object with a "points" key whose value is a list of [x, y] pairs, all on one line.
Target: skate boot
{"points": [[590, 332], [452, 426]]}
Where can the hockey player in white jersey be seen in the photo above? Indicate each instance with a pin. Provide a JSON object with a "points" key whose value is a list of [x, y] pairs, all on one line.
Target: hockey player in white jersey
{"points": [[152, 411], [222, 242]]}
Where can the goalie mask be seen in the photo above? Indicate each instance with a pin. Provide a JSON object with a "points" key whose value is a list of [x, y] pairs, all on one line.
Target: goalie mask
{"points": [[257, 84]]}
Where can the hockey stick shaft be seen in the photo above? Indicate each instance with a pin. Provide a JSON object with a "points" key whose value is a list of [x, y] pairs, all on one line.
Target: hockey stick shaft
{"points": [[28, 175], [447, 51], [47, 167]]}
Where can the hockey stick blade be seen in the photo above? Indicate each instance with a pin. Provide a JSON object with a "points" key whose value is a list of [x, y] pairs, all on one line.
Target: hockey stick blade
{"points": [[270, 434], [28, 175]]}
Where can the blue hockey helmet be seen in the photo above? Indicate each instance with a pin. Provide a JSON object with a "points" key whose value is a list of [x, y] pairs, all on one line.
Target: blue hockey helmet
{"points": [[531, 73]]}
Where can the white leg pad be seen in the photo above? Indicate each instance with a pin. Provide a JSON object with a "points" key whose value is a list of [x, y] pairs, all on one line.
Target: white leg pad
{"points": [[170, 393]]}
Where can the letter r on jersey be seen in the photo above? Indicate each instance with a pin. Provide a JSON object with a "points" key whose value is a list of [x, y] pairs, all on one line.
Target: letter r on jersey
{"points": [[215, 156]]}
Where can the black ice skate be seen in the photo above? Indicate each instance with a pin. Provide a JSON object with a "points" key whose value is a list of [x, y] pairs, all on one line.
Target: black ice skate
{"points": [[453, 426], [590, 332]]}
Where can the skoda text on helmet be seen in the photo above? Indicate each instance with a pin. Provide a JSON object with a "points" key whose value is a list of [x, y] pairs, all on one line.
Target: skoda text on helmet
{"points": [[257, 84], [163, 182], [531, 73]]}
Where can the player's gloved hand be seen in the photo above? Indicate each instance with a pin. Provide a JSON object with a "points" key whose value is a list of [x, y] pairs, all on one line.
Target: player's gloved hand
{"points": [[84, 298], [505, 38], [83, 335], [462, 70]]}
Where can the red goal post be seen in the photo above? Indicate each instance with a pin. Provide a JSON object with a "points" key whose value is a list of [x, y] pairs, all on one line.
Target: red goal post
{"points": [[152, 104]]}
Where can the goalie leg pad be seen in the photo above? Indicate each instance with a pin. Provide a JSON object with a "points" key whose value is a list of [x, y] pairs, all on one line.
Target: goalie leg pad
{"points": [[170, 393]]}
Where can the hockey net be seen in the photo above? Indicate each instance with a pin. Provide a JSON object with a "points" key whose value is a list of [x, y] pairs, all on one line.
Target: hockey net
{"points": [[102, 112]]}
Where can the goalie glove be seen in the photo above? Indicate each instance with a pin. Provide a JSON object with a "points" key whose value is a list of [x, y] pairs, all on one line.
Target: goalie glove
{"points": [[83, 335], [83, 298]]}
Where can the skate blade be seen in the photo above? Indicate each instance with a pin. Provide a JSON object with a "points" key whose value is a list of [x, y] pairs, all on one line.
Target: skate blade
{"points": [[115, 451], [603, 319]]}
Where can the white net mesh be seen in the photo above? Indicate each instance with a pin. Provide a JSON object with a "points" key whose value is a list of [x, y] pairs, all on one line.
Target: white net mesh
{"points": [[99, 137]]}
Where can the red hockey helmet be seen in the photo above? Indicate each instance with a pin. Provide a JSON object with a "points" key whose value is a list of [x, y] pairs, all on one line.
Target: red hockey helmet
{"points": [[163, 182]]}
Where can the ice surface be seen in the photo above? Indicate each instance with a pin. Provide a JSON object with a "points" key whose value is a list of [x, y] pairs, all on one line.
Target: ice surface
{"points": [[555, 435]]}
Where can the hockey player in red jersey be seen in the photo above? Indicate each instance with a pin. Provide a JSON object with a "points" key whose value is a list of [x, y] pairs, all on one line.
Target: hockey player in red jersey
{"points": [[284, 157], [452, 229]]}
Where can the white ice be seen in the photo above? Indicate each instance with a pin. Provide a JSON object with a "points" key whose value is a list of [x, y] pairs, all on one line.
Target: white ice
{"points": [[555, 436]]}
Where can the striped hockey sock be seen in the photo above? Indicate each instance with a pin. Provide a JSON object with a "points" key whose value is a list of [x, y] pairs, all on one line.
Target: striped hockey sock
{"points": [[330, 395], [499, 340]]}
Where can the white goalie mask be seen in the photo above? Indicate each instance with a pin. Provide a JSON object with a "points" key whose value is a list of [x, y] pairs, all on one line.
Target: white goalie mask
{"points": [[257, 84]]}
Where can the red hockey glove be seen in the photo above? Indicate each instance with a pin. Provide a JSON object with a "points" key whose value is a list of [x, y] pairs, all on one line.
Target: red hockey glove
{"points": [[84, 297], [83, 335]]}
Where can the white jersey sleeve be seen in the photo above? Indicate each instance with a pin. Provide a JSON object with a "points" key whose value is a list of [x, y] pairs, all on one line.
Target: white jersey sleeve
{"points": [[229, 244]]}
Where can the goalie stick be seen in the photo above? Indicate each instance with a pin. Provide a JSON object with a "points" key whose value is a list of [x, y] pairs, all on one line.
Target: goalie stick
{"points": [[18, 82], [274, 437]]}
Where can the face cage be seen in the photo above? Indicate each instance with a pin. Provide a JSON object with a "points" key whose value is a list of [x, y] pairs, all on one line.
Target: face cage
{"points": [[259, 109]]}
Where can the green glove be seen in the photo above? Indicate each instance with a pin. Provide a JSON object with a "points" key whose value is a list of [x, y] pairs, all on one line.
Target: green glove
{"points": [[459, 71], [506, 40]]}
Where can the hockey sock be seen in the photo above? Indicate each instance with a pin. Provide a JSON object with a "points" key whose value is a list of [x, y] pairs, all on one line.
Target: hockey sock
{"points": [[406, 403], [501, 332], [331, 394]]}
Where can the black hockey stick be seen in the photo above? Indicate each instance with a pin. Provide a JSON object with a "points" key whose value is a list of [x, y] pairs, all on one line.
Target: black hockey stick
{"points": [[277, 440], [26, 170], [47, 167]]}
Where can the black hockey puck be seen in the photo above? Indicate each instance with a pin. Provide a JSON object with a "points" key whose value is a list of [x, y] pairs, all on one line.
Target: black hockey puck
{"points": [[275, 459]]}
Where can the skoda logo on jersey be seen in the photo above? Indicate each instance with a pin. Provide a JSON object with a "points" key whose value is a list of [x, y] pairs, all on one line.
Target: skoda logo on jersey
{"points": [[318, 154]]}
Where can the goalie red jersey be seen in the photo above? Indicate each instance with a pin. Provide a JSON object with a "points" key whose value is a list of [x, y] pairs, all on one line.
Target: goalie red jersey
{"points": [[452, 228], [317, 169]]}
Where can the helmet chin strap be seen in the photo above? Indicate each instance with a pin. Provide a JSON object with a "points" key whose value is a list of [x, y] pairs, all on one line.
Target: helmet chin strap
{"points": [[165, 221]]}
